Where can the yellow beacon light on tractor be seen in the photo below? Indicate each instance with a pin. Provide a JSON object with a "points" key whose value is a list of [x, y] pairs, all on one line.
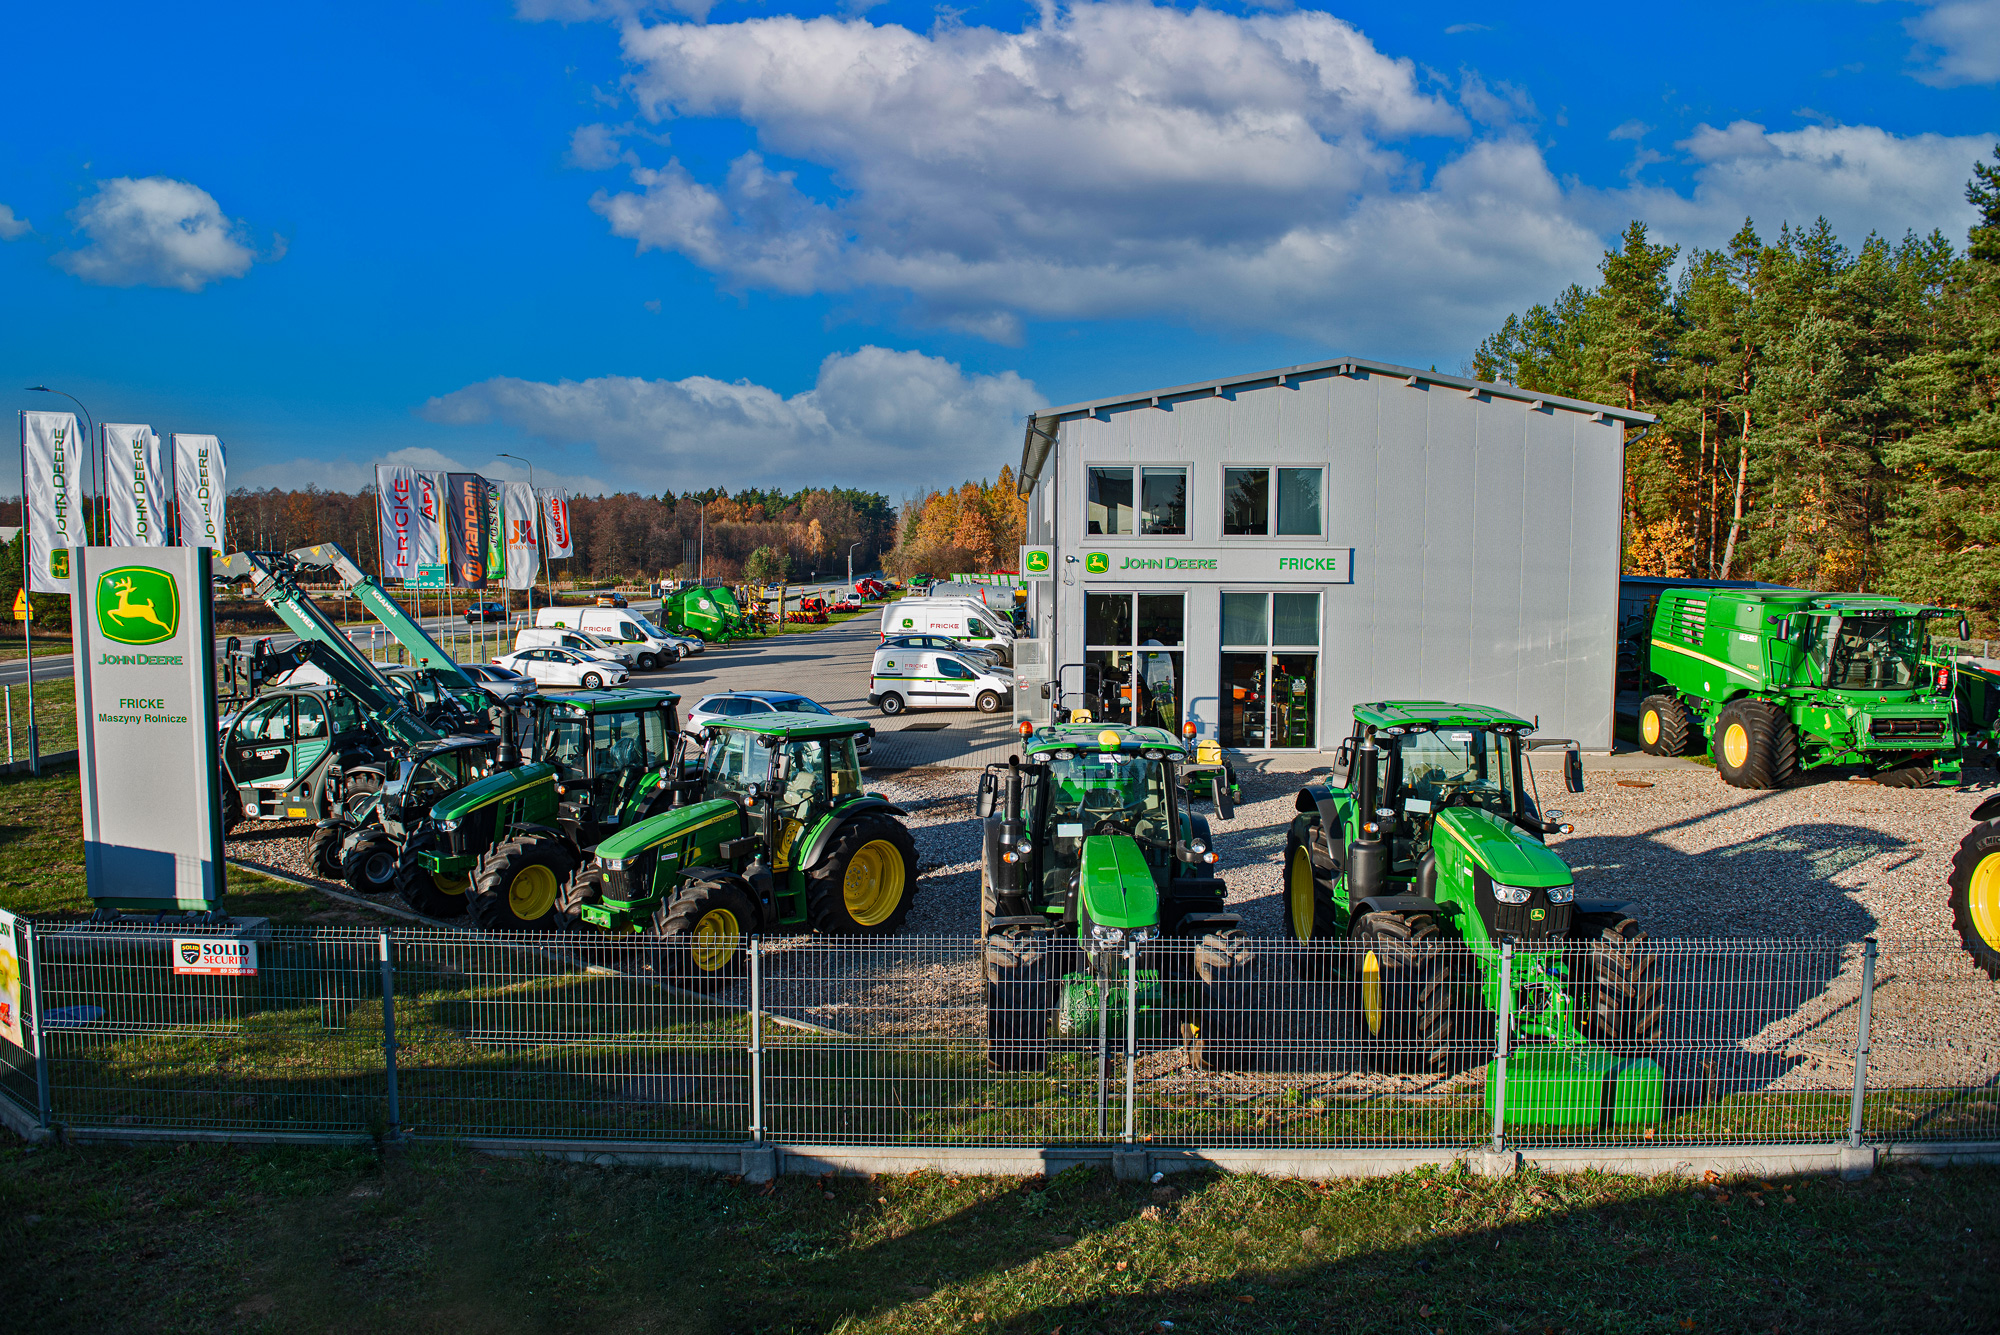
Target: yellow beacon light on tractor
{"points": [[1108, 740]]}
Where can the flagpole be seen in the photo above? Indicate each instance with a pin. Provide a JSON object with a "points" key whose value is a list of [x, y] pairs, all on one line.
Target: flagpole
{"points": [[28, 605]]}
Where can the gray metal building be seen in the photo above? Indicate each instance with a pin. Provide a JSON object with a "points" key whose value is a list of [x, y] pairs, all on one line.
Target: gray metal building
{"points": [[1259, 553]]}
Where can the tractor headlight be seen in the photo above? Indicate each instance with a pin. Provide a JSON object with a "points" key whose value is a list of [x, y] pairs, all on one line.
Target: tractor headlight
{"points": [[614, 864], [1561, 894], [1199, 847], [1511, 894], [447, 826]]}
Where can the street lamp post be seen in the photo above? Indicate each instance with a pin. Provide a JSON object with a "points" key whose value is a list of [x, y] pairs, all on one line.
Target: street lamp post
{"points": [[540, 548], [850, 564]]}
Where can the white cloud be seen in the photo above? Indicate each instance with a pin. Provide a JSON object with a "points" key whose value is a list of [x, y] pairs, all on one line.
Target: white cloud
{"points": [[597, 148], [334, 472], [1961, 40], [1126, 160], [155, 232], [12, 228], [871, 414]]}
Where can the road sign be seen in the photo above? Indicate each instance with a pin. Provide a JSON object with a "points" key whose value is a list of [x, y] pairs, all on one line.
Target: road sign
{"points": [[21, 612], [429, 577]]}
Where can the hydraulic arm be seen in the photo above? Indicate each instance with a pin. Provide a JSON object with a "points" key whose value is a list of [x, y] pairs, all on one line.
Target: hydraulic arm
{"points": [[424, 651]]}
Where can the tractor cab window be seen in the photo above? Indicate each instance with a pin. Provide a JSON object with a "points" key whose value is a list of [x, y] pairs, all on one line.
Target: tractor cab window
{"points": [[806, 783], [1099, 791], [844, 766], [344, 713], [437, 778], [270, 721], [1876, 653], [566, 745], [627, 741], [1452, 766], [312, 717], [735, 760]]}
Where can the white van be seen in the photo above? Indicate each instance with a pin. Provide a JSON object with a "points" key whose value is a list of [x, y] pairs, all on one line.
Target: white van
{"points": [[651, 647], [942, 616], [582, 642], [927, 679]]}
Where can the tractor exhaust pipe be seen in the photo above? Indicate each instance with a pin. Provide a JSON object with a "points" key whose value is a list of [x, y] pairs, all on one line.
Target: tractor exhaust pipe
{"points": [[1368, 855]]}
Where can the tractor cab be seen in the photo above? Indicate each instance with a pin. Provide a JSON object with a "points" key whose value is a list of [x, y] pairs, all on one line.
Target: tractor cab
{"points": [[606, 748], [786, 771]]}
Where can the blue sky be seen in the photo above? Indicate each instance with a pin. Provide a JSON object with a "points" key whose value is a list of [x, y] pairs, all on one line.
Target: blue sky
{"points": [[728, 244]]}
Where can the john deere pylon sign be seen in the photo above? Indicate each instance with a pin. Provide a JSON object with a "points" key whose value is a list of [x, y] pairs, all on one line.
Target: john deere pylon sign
{"points": [[145, 723]]}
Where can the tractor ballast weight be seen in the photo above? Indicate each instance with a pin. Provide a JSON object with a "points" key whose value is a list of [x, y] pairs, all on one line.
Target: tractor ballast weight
{"points": [[1784, 680], [1412, 874]]}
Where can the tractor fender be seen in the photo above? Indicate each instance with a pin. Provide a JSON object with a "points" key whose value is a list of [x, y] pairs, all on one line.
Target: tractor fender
{"points": [[1988, 809], [1405, 904], [830, 825]]}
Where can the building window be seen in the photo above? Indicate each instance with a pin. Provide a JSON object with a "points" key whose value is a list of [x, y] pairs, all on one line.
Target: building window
{"points": [[1247, 511], [1162, 502], [1133, 658], [1270, 670]]}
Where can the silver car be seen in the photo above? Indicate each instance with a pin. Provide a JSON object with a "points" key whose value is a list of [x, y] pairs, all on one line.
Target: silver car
{"points": [[504, 684], [738, 704]]}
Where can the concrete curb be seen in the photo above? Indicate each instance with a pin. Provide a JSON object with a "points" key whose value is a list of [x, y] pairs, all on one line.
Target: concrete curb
{"points": [[51, 760], [22, 1122]]}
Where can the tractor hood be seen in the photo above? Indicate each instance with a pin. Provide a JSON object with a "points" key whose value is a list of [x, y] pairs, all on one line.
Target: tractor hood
{"points": [[1115, 885], [667, 826], [1503, 851]]}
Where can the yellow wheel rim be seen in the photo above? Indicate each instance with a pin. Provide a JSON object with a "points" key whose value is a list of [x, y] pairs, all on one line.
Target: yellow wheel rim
{"points": [[874, 883], [532, 892], [1985, 899], [1736, 745], [1302, 895], [450, 885], [715, 940], [1649, 727], [1371, 994]]}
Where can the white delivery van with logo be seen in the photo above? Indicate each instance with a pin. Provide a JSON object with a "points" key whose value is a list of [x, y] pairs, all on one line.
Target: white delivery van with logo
{"points": [[651, 647], [946, 616], [932, 679], [581, 642]]}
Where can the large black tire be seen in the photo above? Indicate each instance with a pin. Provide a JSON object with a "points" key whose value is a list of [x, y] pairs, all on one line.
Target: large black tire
{"points": [[232, 806], [866, 882], [1755, 745], [703, 932], [432, 896], [585, 886], [1975, 895], [1394, 958], [1017, 1003], [1309, 912], [1227, 966], [324, 854], [1906, 776], [1619, 982], [1665, 727], [515, 887], [368, 862]]}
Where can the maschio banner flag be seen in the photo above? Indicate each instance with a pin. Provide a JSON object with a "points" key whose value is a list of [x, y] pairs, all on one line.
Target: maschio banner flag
{"points": [[395, 513], [200, 485], [465, 529], [496, 535], [138, 491], [555, 509], [523, 553], [51, 458]]}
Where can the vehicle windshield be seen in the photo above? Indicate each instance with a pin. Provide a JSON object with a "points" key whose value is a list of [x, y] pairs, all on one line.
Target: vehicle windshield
{"points": [[437, 777], [651, 629], [1875, 653], [800, 705], [733, 761], [1475, 765], [1094, 787]]}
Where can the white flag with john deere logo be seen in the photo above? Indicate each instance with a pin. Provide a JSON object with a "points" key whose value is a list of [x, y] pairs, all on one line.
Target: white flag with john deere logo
{"points": [[138, 509], [200, 484], [555, 508], [518, 522], [51, 454]]}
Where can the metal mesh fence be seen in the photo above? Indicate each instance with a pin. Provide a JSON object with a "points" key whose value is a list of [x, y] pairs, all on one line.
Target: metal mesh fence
{"points": [[1225, 1042]]}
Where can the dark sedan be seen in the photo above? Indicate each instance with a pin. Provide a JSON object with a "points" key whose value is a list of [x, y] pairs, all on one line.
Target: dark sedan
{"points": [[486, 612]]}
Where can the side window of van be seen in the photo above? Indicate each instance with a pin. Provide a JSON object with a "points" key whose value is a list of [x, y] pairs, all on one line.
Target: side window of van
{"points": [[955, 670]]}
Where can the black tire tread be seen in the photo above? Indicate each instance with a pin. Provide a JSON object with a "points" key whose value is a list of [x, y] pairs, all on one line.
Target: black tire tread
{"points": [[1676, 725], [417, 890], [486, 897], [1421, 999], [1772, 760], [1981, 841], [355, 861], [324, 854], [826, 911], [674, 924], [1229, 970], [1017, 1003], [1622, 1005]]}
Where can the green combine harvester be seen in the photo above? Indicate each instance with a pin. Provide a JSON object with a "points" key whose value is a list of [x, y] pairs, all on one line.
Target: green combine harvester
{"points": [[1780, 681], [779, 837], [1420, 866], [1090, 848]]}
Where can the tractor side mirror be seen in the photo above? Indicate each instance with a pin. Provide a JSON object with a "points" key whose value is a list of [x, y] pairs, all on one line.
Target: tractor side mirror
{"points": [[989, 795], [1343, 759], [1573, 769], [1964, 629]]}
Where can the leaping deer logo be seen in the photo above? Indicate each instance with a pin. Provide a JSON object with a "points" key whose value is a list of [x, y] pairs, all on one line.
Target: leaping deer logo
{"points": [[152, 616], [127, 610]]}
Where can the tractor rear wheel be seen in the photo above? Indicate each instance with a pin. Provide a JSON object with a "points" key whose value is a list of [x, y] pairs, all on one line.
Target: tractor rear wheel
{"points": [[432, 895], [324, 855], [1309, 914], [1664, 726], [1618, 978], [368, 862], [1975, 895], [515, 887], [1393, 959], [1228, 969], [1906, 776], [1756, 745], [1017, 1003], [704, 930], [864, 884]]}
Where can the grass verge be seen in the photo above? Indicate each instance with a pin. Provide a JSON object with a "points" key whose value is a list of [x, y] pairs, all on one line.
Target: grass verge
{"points": [[278, 1239]]}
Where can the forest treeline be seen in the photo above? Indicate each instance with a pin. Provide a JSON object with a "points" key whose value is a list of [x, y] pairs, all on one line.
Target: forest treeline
{"points": [[1827, 415], [973, 526]]}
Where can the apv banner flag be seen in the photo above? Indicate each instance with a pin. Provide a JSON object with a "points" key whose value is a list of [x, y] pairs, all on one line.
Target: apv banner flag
{"points": [[429, 540], [555, 509], [523, 552], [51, 460], [138, 491], [465, 496], [396, 517], [200, 485]]}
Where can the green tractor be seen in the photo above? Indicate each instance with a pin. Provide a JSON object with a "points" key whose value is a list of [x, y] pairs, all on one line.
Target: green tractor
{"points": [[503, 847], [1784, 680], [780, 837], [1418, 867], [1090, 848]]}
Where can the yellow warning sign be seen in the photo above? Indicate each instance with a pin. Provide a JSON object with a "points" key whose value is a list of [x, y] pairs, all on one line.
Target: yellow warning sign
{"points": [[21, 605]]}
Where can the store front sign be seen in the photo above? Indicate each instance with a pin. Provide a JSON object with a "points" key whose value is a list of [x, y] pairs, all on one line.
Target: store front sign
{"points": [[1323, 565]]}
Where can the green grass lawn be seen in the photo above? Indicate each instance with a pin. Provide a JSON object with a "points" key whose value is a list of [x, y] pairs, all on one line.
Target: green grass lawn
{"points": [[195, 1238]]}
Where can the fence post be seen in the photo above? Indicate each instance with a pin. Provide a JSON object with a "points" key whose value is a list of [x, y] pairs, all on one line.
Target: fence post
{"points": [[1502, 1032], [1131, 1030], [44, 1101], [757, 1039], [1861, 1044], [389, 1041]]}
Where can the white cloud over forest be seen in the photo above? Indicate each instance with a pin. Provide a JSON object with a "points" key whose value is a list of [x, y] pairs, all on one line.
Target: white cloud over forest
{"points": [[155, 232]]}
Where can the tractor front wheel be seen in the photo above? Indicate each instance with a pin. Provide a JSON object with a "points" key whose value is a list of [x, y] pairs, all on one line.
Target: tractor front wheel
{"points": [[1017, 1004], [1309, 912], [864, 884], [515, 887], [1975, 895], [324, 854], [704, 931], [1394, 958], [1228, 969], [1664, 726], [432, 895], [1906, 776], [585, 886], [1619, 978], [368, 862], [1756, 745]]}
